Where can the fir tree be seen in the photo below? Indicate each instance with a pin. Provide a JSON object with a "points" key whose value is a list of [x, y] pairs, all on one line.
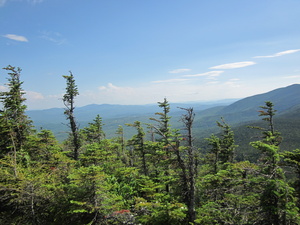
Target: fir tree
{"points": [[15, 123], [69, 102], [277, 202]]}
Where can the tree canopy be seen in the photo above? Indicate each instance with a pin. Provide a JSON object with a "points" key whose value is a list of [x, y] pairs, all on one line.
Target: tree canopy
{"points": [[163, 179]]}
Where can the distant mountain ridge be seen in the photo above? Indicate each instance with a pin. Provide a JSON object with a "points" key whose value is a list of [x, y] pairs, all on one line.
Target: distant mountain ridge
{"points": [[282, 98], [108, 111], [235, 112], [285, 100]]}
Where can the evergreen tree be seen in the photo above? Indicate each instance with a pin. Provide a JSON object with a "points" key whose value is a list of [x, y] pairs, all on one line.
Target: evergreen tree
{"points": [[222, 148], [138, 144], [164, 131], [120, 139], [277, 202], [292, 159], [94, 132], [69, 102], [187, 160], [269, 134], [15, 125]]}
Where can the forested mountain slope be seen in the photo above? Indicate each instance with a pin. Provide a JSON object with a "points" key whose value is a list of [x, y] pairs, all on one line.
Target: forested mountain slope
{"points": [[244, 113], [168, 179], [285, 100]]}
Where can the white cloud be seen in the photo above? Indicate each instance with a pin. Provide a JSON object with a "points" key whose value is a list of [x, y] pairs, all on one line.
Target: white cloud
{"points": [[54, 37], [16, 37], [35, 1], [154, 92], [3, 88], [213, 82], [151, 93], [2, 2], [232, 84], [109, 87], [170, 80], [279, 54], [210, 74], [113, 89], [234, 65], [292, 76], [179, 70], [36, 100], [32, 95]]}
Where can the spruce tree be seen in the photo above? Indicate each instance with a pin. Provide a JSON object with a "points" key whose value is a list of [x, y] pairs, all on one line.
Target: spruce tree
{"points": [[164, 131], [69, 102], [94, 132], [138, 143], [15, 126], [277, 202], [222, 148], [15, 123], [189, 165]]}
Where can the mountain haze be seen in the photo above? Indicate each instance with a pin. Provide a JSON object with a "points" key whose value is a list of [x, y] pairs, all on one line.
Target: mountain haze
{"points": [[235, 112]]}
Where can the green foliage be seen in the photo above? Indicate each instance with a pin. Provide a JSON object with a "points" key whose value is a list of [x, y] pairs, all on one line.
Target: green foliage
{"points": [[163, 121], [94, 132], [163, 181], [69, 101], [36, 194], [137, 142], [222, 148], [15, 125], [292, 160], [91, 198], [160, 211], [277, 195], [230, 196]]}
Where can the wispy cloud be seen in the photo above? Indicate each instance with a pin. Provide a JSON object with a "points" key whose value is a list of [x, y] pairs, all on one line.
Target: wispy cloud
{"points": [[292, 76], [2, 2], [213, 82], [32, 95], [209, 74], [178, 91], [234, 82], [110, 93], [3, 88], [16, 37], [170, 80], [180, 71], [35, 1], [54, 37], [279, 54], [109, 86], [233, 65]]}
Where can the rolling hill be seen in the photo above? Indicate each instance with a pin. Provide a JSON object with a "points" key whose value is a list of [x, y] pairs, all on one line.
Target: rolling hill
{"points": [[237, 113]]}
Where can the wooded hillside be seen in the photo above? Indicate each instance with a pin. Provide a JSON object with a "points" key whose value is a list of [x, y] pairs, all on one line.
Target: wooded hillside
{"points": [[167, 178]]}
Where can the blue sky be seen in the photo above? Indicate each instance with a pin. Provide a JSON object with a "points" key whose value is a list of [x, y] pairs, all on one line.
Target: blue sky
{"points": [[140, 51]]}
